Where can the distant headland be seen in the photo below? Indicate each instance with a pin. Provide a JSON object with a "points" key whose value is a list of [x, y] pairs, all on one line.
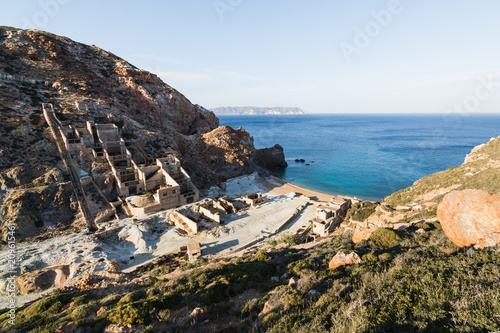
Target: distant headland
{"points": [[252, 110]]}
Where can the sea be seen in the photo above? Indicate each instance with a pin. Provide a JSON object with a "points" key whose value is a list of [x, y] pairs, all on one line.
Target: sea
{"points": [[365, 155]]}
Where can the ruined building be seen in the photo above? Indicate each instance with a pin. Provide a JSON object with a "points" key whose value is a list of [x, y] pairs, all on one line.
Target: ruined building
{"points": [[330, 216], [170, 183]]}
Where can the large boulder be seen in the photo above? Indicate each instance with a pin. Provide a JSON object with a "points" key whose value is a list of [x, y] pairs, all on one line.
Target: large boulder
{"points": [[471, 218], [344, 258]]}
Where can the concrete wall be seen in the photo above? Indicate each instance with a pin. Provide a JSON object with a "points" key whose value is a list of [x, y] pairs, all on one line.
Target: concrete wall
{"points": [[320, 228], [255, 199], [214, 216], [324, 214], [181, 221]]}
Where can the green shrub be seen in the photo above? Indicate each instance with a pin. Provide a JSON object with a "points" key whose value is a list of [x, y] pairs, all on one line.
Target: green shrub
{"points": [[384, 238], [82, 299], [360, 211], [82, 311], [385, 257], [292, 300], [271, 318], [262, 255], [252, 308], [125, 315], [110, 299], [303, 267], [369, 258], [131, 297], [436, 225]]}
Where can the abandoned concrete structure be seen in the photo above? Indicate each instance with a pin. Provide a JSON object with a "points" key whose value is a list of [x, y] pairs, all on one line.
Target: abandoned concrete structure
{"points": [[193, 250], [330, 216], [102, 142], [213, 209], [254, 199], [182, 221]]}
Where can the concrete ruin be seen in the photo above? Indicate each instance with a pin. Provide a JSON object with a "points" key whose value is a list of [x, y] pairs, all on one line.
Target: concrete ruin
{"points": [[182, 221], [330, 216], [214, 209], [193, 251], [254, 199], [170, 183]]}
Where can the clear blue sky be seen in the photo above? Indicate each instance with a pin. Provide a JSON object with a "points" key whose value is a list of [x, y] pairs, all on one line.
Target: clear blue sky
{"points": [[426, 56]]}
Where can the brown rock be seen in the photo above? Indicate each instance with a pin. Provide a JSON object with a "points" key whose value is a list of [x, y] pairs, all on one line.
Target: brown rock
{"points": [[66, 328], [344, 258], [89, 281], [42, 279], [68, 306], [471, 217], [292, 282], [101, 310], [274, 303], [113, 266], [152, 116], [118, 328], [197, 313]]}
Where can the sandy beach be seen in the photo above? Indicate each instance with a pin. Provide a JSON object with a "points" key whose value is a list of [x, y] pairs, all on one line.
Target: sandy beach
{"points": [[278, 186]]}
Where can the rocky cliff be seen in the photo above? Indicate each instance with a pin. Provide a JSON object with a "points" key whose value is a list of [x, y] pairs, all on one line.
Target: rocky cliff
{"points": [[87, 83]]}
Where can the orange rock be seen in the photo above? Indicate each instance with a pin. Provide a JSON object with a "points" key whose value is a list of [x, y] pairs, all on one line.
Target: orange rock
{"points": [[198, 313], [471, 217], [362, 234], [344, 258], [101, 310]]}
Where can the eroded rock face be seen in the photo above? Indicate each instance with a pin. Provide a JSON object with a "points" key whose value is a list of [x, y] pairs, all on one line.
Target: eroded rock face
{"points": [[271, 158], [344, 258], [33, 209], [471, 218]]}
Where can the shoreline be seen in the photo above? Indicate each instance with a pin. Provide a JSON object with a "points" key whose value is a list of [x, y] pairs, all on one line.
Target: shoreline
{"points": [[287, 187]]}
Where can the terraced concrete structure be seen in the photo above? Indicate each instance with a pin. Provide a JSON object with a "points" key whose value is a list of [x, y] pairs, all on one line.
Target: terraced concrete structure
{"points": [[170, 183]]}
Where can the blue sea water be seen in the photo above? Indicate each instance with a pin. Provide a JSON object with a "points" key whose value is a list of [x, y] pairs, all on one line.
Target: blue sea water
{"points": [[368, 156]]}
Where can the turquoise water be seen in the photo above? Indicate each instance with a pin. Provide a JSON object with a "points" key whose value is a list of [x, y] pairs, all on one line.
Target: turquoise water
{"points": [[368, 156]]}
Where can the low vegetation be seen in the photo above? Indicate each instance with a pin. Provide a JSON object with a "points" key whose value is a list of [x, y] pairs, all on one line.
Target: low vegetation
{"points": [[407, 281], [361, 210]]}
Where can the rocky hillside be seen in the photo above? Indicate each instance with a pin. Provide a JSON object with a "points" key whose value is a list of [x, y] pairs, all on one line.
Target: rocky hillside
{"points": [[87, 83], [419, 202], [404, 281], [252, 110]]}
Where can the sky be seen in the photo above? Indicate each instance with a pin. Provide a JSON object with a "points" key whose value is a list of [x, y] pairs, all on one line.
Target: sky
{"points": [[325, 56]]}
